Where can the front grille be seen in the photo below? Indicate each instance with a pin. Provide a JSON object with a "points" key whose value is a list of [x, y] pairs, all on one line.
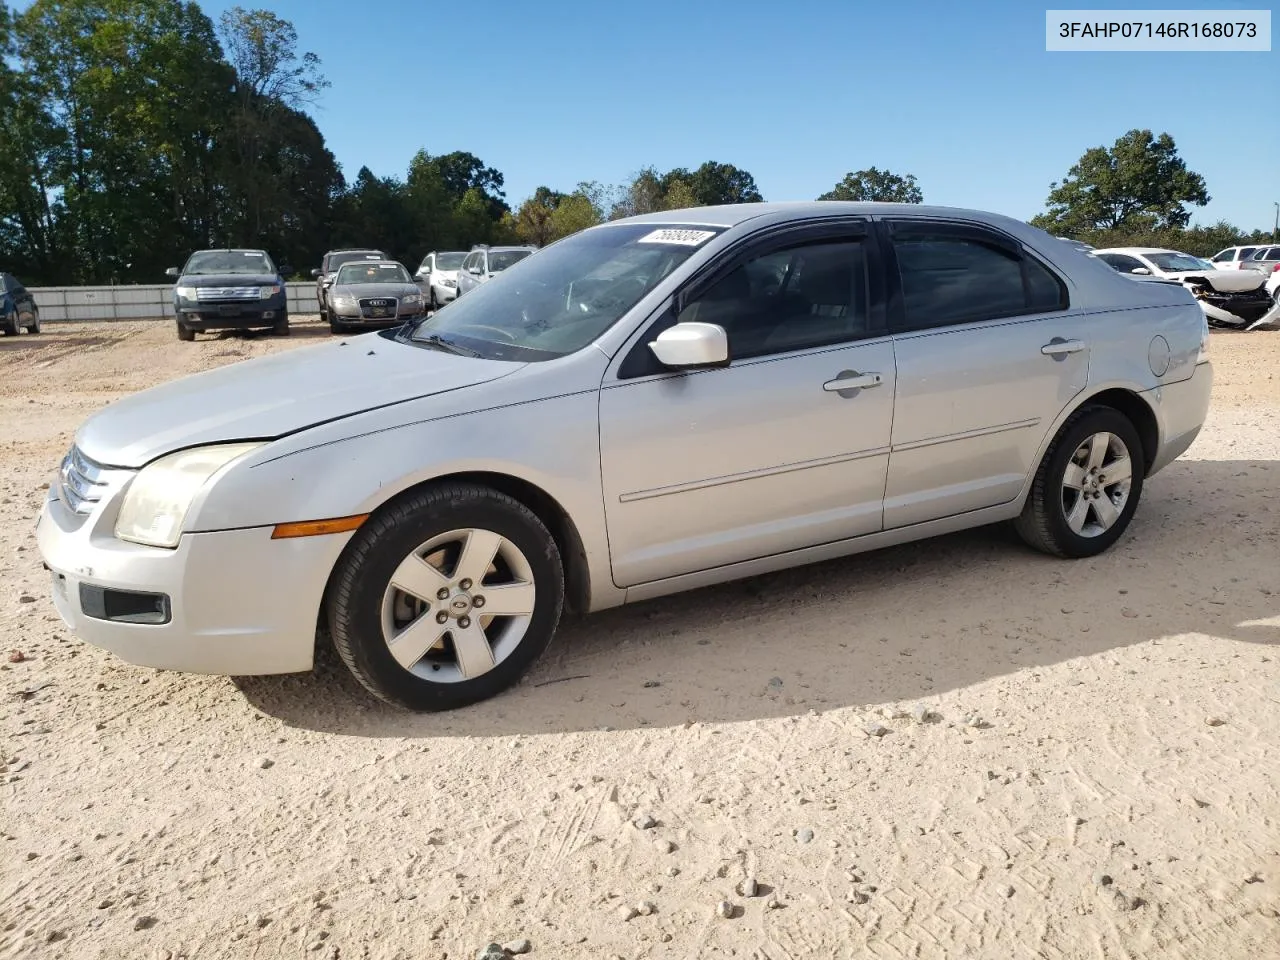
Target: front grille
{"points": [[223, 294], [379, 306], [83, 482]]}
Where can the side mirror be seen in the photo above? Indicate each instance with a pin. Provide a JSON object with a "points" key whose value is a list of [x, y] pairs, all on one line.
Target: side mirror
{"points": [[1141, 271], [692, 345], [172, 272], [315, 274]]}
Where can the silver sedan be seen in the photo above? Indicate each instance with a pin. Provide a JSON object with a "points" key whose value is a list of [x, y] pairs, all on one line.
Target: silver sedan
{"points": [[645, 407]]}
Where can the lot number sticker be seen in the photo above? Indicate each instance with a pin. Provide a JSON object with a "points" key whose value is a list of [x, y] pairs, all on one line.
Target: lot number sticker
{"points": [[685, 238]]}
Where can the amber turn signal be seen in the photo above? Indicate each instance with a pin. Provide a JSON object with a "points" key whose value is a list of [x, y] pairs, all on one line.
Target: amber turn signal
{"points": [[316, 528]]}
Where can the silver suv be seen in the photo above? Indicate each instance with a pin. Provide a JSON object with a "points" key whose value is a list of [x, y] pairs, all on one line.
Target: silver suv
{"points": [[484, 262]]}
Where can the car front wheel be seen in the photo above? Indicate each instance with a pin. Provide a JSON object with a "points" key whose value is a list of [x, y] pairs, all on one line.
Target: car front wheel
{"points": [[185, 332], [446, 597], [1087, 487]]}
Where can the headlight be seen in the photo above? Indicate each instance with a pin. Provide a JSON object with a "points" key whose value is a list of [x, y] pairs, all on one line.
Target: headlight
{"points": [[413, 299], [265, 292], [342, 302], [449, 283], [156, 503], [185, 293]]}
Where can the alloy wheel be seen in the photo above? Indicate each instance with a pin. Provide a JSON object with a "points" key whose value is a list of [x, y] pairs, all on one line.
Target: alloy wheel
{"points": [[1096, 484], [458, 605]]}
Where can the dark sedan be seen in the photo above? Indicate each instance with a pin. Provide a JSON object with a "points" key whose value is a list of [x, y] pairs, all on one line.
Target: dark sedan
{"points": [[378, 293]]}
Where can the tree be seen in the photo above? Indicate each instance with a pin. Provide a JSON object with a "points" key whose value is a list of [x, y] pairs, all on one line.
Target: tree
{"points": [[1140, 182], [573, 213], [263, 50], [716, 183], [876, 184], [533, 220]]}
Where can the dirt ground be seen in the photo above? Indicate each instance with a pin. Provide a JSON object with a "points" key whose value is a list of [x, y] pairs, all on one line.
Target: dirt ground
{"points": [[1129, 705]]}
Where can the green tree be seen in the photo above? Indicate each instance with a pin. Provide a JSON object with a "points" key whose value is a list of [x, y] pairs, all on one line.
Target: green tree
{"points": [[716, 183], [573, 213], [876, 184], [533, 218], [1140, 182]]}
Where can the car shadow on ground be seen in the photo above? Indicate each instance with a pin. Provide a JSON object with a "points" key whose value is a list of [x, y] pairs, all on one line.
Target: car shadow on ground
{"points": [[896, 625]]}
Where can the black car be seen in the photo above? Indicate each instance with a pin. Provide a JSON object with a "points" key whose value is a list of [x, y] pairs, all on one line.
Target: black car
{"points": [[17, 307], [230, 290]]}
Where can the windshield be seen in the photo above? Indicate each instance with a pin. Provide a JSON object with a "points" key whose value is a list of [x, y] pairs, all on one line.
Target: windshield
{"points": [[372, 272], [566, 296], [501, 259], [338, 259], [228, 261], [449, 261], [1178, 262]]}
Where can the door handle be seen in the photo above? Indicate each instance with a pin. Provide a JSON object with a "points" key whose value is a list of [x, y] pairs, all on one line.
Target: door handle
{"points": [[850, 380], [1057, 347]]}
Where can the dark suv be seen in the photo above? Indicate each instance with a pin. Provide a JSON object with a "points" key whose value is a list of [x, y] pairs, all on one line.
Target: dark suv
{"points": [[17, 307], [329, 268], [230, 290]]}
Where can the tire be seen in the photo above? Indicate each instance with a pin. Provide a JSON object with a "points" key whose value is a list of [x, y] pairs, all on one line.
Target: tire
{"points": [[432, 304], [34, 326], [10, 325], [336, 327], [1072, 521], [443, 523], [185, 332], [281, 326]]}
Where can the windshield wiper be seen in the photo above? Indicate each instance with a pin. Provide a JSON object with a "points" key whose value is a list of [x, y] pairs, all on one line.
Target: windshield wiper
{"points": [[448, 346]]}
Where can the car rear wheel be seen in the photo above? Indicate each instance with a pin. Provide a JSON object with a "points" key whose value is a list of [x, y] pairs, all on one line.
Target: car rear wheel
{"points": [[446, 597], [1087, 487], [10, 325], [185, 332]]}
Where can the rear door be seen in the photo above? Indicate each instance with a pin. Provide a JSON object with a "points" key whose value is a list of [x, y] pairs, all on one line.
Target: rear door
{"points": [[988, 352]]}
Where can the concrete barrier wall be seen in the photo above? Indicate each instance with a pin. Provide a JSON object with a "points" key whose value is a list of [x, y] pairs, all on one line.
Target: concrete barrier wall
{"points": [[140, 302]]}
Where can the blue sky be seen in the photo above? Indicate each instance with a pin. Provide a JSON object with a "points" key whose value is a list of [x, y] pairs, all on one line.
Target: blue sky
{"points": [[963, 95]]}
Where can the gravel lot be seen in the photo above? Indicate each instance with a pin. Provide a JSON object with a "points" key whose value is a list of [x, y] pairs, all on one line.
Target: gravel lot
{"points": [[1120, 796]]}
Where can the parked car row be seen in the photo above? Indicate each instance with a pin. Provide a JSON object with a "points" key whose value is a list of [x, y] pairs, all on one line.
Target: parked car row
{"points": [[1265, 258], [1231, 298]]}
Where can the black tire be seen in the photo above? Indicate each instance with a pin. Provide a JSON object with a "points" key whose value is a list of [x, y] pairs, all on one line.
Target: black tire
{"points": [[336, 327], [185, 332], [432, 303], [1043, 523], [34, 326], [363, 573], [281, 326], [10, 325]]}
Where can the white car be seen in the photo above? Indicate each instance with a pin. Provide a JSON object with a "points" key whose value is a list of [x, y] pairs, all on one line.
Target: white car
{"points": [[1233, 258], [647, 406], [1265, 259], [438, 276], [1232, 298]]}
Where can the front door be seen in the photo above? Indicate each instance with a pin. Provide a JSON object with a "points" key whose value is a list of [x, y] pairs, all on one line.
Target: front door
{"points": [[786, 447], [989, 354]]}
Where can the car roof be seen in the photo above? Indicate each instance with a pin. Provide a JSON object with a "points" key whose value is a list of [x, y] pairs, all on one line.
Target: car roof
{"points": [[376, 263], [1139, 250], [229, 250], [357, 250], [730, 215]]}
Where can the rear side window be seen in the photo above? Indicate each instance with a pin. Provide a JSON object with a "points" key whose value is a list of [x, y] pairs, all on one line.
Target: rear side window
{"points": [[1272, 254], [1247, 252], [960, 276]]}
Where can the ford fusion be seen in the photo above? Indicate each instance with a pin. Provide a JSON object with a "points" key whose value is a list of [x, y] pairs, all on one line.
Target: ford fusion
{"points": [[647, 406]]}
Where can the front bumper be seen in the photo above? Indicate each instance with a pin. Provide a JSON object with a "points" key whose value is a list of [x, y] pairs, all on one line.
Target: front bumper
{"points": [[359, 319], [238, 317], [237, 602]]}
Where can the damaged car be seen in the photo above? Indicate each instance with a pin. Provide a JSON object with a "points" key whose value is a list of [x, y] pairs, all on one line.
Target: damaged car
{"points": [[1229, 298]]}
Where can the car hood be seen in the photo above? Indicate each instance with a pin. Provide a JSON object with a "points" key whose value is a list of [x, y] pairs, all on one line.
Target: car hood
{"points": [[271, 396], [228, 280], [361, 290], [1226, 281]]}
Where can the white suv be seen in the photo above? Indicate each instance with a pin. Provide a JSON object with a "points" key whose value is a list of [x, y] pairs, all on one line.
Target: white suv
{"points": [[484, 261], [438, 276], [1232, 258]]}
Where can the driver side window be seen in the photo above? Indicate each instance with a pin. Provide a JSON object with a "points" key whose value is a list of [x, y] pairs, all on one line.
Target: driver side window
{"points": [[800, 297]]}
